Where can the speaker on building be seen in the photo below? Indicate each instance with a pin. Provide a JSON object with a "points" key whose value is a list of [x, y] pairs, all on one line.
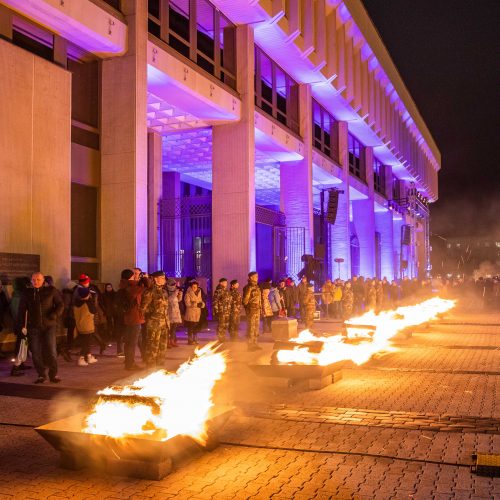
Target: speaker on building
{"points": [[333, 204], [405, 235]]}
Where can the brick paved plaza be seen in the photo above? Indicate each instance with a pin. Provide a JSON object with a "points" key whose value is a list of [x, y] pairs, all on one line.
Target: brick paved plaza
{"points": [[401, 426]]}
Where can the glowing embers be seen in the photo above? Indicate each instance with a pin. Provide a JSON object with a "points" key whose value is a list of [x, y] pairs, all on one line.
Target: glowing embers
{"points": [[161, 405], [367, 335]]}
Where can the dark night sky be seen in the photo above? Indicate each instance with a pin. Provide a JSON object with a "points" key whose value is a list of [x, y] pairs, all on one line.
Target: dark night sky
{"points": [[448, 54]]}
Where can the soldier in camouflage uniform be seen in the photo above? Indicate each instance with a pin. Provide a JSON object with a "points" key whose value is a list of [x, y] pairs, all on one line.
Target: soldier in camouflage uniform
{"points": [[235, 315], [347, 300], [309, 302], [252, 301], [222, 308], [154, 306]]}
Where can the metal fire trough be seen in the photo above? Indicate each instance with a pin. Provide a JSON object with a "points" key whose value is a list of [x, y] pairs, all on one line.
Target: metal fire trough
{"points": [[133, 456], [302, 377], [352, 333]]}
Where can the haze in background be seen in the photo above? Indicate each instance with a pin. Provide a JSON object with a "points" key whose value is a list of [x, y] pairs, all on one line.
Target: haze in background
{"points": [[447, 54]]}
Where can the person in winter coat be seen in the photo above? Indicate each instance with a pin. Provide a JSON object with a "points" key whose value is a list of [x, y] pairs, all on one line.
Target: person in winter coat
{"points": [[301, 294], [327, 298], [290, 295], [252, 302], [371, 295], [235, 315], [154, 306], [174, 311], [194, 303], [41, 307], [221, 306], [99, 318], [133, 318], [84, 310], [68, 317], [282, 293], [267, 311], [277, 303], [338, 291], [309, 306], [19, 285], [347, 300]]}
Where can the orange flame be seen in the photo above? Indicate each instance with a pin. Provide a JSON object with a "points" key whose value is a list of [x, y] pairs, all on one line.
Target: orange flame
{"points": [[165, 404], [386, 323]]}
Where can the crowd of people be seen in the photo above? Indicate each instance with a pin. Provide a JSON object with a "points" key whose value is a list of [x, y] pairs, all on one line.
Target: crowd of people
{"points": [[147, 311]]}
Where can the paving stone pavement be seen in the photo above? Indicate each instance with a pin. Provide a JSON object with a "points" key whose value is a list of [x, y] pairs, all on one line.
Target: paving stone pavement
{"points": [[372, 435]]}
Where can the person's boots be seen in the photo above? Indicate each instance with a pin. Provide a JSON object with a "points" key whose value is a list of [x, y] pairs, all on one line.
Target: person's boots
{"points": [[195, 340], [16, 371], [174, 341], [169, 343], [190, 339]]}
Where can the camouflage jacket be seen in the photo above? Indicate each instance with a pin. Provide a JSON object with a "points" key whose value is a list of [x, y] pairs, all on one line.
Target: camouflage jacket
{"points": [[154, 304], [252, 298], [222, 301], [235, 301]]}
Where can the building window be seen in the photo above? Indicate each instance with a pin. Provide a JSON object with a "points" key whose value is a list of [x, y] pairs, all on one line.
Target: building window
{"points": [[198, 31], [354, 147], [323, 134], [114, 3], [378, 177], [276, 93]]}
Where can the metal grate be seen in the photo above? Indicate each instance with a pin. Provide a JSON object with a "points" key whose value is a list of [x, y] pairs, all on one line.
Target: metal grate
{"points": [[269, 217]]}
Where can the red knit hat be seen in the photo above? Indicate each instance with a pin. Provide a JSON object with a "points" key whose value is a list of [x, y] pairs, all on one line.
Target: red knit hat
{"points": [[83, 279]]}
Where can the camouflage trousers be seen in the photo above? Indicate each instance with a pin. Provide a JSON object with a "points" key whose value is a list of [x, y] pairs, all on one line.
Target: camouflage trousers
{"points": [[156, 342], [309, 316], [234, 325], [222, 326], [253, 324]]}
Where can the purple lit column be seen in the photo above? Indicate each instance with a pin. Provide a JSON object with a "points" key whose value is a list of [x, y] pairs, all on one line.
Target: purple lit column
{"points": [[364, 218], [384, 225], [124, 151], [233, 176], [296, 200], [397, 222], [340, 233], [155, 182]]}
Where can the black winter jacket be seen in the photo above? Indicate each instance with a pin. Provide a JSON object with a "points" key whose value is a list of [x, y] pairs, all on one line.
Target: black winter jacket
{"points": [[44, 305]]}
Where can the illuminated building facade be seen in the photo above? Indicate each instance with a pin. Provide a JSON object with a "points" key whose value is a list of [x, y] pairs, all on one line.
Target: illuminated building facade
{"points": [[209, 138]]}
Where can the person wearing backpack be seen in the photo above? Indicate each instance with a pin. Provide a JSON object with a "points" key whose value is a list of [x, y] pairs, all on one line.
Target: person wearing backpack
{"points": [[133, 317], [84, 311]]}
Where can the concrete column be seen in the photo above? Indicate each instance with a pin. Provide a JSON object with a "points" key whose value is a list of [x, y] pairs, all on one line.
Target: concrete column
{"points": [[397, 222], [124, 151], [296, 200], [233, 176], [155, 184], [364, 218], [35, 160], [340, 232], [384, 225]]}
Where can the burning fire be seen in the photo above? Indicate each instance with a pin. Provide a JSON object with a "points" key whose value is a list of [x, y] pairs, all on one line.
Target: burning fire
{"points": [[161, 405], [373, 339]]}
